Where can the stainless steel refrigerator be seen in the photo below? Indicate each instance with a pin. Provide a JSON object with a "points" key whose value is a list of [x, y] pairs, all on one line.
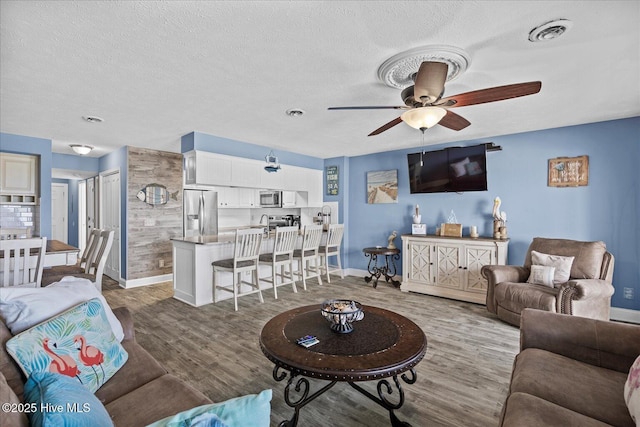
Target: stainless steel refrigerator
{"points": [[200, 213]]}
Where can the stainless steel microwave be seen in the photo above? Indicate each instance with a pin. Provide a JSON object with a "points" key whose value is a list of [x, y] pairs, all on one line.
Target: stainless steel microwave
{"points": [[271, 199]]}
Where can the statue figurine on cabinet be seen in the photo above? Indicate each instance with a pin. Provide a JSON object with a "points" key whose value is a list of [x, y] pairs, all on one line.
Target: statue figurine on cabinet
{"points": [[390, 240]]}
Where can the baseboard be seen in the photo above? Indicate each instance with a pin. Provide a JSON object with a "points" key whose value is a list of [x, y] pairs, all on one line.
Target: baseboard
{"points": [[356, 272], [625, 315], [146, 281]]}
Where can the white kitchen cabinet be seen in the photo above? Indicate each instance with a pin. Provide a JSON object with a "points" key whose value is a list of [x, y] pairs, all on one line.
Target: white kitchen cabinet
{"points": [[314, 188], [247, 198], [18, 174], [288, 199], [272, 180], [234, 197], [449, 266], [242, 175], [19, 178], [203, 168], [246, 173]]}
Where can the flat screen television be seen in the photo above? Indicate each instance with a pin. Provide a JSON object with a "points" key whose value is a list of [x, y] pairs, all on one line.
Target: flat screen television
{"points": [[454, 169]]}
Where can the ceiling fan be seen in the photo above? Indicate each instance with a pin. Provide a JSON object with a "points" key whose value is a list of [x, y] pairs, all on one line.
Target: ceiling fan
{"points": [[425, 107]]}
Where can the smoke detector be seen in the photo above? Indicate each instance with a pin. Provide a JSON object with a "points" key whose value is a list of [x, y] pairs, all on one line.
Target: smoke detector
{"points": [[399, 71], [549, 31]]}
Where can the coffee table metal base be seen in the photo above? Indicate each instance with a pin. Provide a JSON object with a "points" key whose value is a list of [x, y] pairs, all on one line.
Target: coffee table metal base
{"points": [[302, 389]]}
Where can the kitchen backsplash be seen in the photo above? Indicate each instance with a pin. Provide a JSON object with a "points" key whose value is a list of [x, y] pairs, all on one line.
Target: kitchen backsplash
{"points": [[22, 220]]}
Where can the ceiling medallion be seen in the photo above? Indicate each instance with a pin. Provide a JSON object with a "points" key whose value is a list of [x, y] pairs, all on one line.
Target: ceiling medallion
{"points": [[399, 70]]}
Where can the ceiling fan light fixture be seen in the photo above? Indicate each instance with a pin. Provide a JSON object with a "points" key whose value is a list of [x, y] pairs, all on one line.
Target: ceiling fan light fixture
{"points": [[423, 117], [81, 149]]}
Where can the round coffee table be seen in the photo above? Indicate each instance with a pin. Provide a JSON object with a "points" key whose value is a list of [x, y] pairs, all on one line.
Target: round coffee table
{"points": [[382, 345]]}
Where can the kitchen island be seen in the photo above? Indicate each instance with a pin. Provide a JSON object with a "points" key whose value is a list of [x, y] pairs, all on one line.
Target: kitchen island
{"points": [[193, 272]]}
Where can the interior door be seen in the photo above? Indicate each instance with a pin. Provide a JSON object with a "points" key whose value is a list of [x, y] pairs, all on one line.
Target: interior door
{"points": [[92, 205], [59, 212], [82, 215], [110, 219]]}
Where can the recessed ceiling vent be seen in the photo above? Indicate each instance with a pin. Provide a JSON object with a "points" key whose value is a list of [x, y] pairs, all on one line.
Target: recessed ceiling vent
{"points": [[93, 119], [549, 31], [294, 112], [400, 70]]}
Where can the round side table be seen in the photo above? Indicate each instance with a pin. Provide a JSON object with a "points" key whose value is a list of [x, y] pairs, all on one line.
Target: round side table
{"points": [[387, 267]]}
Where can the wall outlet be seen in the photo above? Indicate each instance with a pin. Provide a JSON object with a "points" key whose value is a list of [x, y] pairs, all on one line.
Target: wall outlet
{"points": [[628, 293], [160, 263]]}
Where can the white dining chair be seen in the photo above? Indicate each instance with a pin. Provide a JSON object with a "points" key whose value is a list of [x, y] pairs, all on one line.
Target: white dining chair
{"points": [[245, 259], [283, 246], [309, 252], [22, 262], [95, 264], [80, 266], [332, 248]]}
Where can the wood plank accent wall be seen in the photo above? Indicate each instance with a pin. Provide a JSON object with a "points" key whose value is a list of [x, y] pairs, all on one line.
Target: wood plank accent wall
{"points": [[150, 227]]}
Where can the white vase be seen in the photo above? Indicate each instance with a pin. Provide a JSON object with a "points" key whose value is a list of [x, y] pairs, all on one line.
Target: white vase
{"points": [[417, 219]]}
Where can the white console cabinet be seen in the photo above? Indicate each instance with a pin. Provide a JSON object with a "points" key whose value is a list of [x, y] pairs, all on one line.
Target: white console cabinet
{"points": [[449, 266]]}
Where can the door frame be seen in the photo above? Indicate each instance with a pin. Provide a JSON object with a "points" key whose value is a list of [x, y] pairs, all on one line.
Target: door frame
{"points": [[101, 204], [65, 188]]}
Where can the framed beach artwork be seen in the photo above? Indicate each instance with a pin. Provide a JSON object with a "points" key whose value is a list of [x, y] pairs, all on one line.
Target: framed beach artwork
{"points": [[568, 172], [382, 186]]}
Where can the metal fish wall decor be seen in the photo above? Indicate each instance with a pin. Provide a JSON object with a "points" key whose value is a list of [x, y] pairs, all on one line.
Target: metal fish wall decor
{"points": [[156, 194]]}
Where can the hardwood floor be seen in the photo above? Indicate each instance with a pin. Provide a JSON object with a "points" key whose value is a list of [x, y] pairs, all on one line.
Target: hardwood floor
{"points": [[462, 381]]}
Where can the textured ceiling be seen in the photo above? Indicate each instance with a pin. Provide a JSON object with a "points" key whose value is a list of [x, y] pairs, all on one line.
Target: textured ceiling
{"points": [[158, 70]]}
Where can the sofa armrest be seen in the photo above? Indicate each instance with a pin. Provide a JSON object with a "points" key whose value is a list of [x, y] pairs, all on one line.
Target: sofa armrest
{"points": [[610, 345], [501, 273], [124, 316]]}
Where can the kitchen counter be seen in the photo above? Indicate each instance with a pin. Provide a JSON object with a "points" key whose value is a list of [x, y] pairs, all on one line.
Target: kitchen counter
{"points": [[193, 272], [205, 240]]}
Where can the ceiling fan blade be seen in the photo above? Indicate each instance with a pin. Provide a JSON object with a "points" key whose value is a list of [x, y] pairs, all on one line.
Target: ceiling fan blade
{"points": [[493, 94], [392, 107], [453, 121], [389, 125], [429, 83]]}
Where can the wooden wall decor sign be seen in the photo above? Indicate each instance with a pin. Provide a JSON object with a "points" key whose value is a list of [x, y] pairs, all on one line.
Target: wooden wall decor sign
{"points": [[568, 172], [451, 230], [332, 180]]}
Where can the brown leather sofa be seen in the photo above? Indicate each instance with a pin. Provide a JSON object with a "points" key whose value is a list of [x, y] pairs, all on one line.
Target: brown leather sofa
{"points": [[587, 293], [140, 393], [570, 372]]}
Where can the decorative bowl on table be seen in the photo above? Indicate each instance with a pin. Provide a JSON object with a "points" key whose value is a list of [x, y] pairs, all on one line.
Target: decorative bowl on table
{"points": [[341, 313]]}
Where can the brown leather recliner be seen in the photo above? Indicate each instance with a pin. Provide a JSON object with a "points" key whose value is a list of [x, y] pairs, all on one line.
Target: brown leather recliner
{"points": [[586, 294]]}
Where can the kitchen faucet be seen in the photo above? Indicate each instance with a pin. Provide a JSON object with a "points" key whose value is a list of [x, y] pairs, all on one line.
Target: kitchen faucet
{"points": [[268, 225]]}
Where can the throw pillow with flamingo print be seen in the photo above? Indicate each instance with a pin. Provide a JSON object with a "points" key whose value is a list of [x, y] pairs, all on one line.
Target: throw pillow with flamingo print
{"points": [[78, 343]]}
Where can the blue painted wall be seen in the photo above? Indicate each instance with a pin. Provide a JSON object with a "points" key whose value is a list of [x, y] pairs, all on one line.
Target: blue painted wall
{"points": [[77, 163], [215, 144], [40, 147], [608, 209]]}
